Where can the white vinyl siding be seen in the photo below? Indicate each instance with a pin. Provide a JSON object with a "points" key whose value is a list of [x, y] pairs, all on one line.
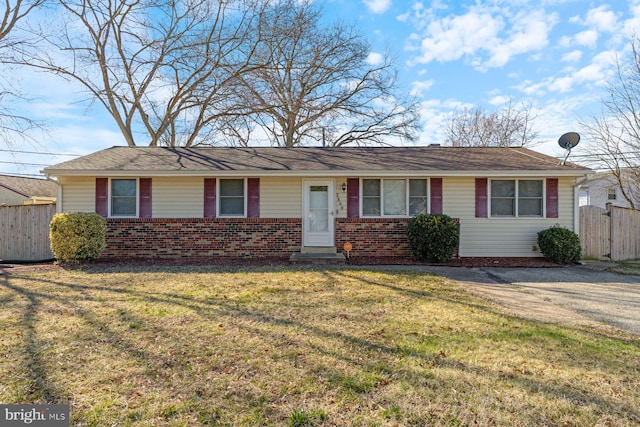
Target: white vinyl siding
{"points": [[177, 197], [78, 194], [501, 237], [280, 197]]}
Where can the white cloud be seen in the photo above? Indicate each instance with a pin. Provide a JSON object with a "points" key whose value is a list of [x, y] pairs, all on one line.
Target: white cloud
{"points": [[572, 57], [419, 87], [452, 37], [374, 58], [602, 19], [595, 74], [529, 34], [587, 38], [499, 100], [487, 37], [377, 6]]}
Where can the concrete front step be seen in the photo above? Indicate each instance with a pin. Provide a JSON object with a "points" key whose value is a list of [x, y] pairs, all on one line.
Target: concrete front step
{"points": [[317, 258], [318, 250]]}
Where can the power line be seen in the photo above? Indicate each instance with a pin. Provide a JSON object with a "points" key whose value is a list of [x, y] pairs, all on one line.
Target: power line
{"points": [[26, 164], [26, 175], [40, 152]]}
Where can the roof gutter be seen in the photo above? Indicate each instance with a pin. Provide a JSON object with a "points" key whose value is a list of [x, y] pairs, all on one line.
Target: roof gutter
{"points": [[323, 173]]}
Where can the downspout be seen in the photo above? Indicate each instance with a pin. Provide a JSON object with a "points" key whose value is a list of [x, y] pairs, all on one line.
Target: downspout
{"points": [[59, 193], [576, 207]]}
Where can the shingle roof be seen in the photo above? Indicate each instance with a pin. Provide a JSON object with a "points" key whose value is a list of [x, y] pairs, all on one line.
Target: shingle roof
{"points": [[140, 160], [29, 187]]}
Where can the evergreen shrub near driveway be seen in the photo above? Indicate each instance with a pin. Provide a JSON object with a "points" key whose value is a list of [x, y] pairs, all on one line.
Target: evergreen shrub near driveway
{"points": [[433, 238], [559, 244], [77, 237]]}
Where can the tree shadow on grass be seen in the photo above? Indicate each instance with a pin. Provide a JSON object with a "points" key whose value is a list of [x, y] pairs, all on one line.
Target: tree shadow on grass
{"points": [[361, 353]]}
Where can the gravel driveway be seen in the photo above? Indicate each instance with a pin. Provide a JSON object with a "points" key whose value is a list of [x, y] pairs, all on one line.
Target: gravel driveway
{"points": [[574, 295]]}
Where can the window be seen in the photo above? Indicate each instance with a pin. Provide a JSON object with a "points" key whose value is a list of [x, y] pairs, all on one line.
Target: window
{"points": [[612, 194], [516, 197], [124, 197], [394, 197], [232, 197]]}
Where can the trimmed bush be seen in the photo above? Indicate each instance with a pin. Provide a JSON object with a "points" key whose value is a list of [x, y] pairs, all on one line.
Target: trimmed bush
{"points": [[433, 238], [77, 237], [559, 244]]}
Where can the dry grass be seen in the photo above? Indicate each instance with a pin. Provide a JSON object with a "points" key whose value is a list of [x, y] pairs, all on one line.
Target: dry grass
{"points": [[631, 266], [189, 346]]}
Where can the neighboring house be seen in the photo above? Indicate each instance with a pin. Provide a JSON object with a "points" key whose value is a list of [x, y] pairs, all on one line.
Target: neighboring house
{"points": [[601, 188], [271, 202], [16, 190]]}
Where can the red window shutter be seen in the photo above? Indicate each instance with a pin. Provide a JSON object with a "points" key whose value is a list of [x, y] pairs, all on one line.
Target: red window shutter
{"points": [[253, 198], [481, 197], [552, 198], [145, 197], [209, 197], [102, 197], [436, 195], [353, 198]]}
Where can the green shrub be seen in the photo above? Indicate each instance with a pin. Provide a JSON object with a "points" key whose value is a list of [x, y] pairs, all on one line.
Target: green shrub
{"points": [[433, 238], [559, 244], [77, 237]]}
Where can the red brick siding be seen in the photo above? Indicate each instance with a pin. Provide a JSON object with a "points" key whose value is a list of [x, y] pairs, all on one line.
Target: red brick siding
{"points": [[374, 237], [241, 237], [202, 237]]}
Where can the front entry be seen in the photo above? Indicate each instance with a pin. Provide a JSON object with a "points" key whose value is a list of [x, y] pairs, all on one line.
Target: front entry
{"points": [[317, 213]]}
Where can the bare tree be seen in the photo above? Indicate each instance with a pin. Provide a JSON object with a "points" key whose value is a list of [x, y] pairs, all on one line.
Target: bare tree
{"points": [[319, 85], [13, 126], [615, 134], [162, 69], [14, 12], [507, 127]]}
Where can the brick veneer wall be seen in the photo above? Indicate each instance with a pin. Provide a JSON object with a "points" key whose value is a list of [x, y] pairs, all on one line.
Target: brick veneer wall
{"points": [[374, 237], [202, 237]]}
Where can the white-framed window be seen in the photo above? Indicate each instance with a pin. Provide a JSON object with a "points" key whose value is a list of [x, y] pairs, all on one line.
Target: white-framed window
{"points": [[123, 197], [612, 193], [517, 197], [394, 197], [232, 199]]}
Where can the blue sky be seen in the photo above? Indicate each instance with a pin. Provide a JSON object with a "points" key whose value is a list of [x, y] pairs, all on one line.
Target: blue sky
{"points": [[553, 54]]}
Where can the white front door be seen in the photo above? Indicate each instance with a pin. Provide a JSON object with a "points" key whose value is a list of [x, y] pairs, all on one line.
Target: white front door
{"points": [[317, 213]]}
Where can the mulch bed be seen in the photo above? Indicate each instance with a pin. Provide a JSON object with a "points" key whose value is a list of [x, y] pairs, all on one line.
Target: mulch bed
{"points": [[240, 262]]}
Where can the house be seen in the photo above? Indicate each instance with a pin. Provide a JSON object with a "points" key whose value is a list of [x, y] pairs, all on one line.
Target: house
{"points": [[272, 202], [601, 188], [17, 190]]}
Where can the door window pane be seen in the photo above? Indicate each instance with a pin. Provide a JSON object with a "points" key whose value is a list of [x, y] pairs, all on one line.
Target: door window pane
{"points": [[318, 208]]}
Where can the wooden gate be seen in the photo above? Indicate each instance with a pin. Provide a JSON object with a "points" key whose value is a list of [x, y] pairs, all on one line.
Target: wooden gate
{"points": [[612, 234], [24, 232]]}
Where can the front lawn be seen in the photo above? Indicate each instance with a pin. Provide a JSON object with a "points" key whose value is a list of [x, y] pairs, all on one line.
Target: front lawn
{"points": [[277, 346]]}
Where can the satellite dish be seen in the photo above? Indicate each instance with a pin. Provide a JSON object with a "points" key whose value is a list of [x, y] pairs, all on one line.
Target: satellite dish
{"points": [[569, 140]]}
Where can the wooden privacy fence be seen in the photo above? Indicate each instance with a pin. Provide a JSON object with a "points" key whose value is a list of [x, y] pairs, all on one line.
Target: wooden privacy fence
{"points": [[24, 232], [613, 234]]}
